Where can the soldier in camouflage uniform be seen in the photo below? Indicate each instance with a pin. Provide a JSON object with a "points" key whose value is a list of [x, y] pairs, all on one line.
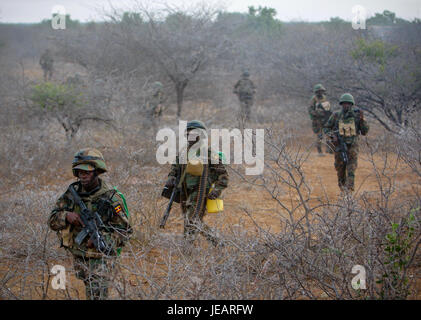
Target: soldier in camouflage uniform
{"points": [[217, 181], [245, 90], [154, 103], [46, 61], [91, 266], [319, 111], [347, 125]]}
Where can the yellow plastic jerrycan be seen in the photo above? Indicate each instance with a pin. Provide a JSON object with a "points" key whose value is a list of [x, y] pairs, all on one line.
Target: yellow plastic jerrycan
{"points": [[214, 206]]}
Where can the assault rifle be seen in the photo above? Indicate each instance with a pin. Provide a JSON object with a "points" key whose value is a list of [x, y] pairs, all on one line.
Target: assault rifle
{"points": [[173, 195], [342, 147], [93, 223]]}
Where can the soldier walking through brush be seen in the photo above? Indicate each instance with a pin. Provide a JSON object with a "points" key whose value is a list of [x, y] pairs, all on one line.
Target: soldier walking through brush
{"points": [[245, 90], [320, 111], [345, 126], [154, 101], [46, 61], [198, 182], [94, 253]]}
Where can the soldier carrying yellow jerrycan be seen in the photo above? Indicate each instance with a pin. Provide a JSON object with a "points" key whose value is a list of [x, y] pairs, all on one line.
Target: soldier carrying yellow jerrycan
{"points": [[197, 186], [92, 222], [320, 111]]}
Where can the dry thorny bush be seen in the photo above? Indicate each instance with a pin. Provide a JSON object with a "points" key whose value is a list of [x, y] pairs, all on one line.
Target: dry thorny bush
{"points": [[311, 256]]}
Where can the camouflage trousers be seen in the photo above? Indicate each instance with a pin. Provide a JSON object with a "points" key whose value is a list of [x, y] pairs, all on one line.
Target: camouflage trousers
{"points": [[194, 225], [48, 73], [154, 114], [245, 104], [346, 172], [317, 127], [95, 274]]}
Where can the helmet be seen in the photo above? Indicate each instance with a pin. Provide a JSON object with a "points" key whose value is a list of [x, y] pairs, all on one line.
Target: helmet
{"points": [[346, 97], [89, 159], [318, 87], [196, 124], [246, 74], [157, 85]]}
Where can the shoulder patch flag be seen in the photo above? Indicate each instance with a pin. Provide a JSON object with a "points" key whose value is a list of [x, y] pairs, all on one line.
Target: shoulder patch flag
{"points": [[117, 209]]}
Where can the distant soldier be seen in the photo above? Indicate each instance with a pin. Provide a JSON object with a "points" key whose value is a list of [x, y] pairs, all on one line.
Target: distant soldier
{"points": [[46, 61], [92, 266], [345, 126], [212, 177], [320, 111], [75, 81], [245, 90], [154, 101]]}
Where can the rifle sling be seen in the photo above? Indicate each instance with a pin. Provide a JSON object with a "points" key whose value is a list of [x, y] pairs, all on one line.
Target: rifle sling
{"points": [[202, 192]]}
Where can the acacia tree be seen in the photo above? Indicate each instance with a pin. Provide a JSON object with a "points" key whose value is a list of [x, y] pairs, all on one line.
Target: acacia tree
{"points": [[386, 78], [66, 104], [179, 42]]}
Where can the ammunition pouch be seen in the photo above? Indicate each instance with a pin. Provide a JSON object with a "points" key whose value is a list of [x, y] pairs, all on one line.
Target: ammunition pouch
{"points": [[66, 236], [246, 96], [347, 129], [195, 168], [326, 105]]}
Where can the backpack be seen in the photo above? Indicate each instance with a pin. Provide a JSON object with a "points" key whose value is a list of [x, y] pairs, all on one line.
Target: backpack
{"points": [[246, 87]]}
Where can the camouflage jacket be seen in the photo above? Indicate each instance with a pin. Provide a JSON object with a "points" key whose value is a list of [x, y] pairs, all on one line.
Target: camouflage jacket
{"points": [[217, 176], [245, 88], [319, 109], [157, 97], [351, 118], [117, 229], [46, 60]]}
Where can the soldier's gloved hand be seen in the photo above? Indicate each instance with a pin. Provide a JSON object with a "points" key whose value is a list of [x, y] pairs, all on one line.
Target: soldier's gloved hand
{"points": [[213, 194], [170, 182], [74, 218]]}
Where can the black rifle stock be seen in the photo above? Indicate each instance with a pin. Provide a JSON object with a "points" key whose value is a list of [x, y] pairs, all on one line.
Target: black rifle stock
{"points": [[342, 148], [93, 223], [172, 198], [167, 212]]}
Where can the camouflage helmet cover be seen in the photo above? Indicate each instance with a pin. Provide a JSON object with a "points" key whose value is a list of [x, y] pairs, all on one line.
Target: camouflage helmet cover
{"points": [[89, 159], [196, 124], [318, 87], [346, 97]]}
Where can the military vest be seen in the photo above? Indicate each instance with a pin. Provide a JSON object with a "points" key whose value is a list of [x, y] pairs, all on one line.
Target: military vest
{"points": [[348, 125], [92, 201]]}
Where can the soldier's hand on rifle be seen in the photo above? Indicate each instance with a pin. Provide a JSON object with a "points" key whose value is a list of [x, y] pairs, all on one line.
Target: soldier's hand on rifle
{"points": [[334, 138], [90, 243], [213, 194], [170, 182], [74, 218]]}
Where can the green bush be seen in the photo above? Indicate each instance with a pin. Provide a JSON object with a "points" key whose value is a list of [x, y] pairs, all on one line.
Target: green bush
{"points": [[376, 51], [53, 96], [398, 247]]}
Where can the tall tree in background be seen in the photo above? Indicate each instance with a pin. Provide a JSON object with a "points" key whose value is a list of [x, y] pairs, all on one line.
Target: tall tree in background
{"points": [[180, 42]]}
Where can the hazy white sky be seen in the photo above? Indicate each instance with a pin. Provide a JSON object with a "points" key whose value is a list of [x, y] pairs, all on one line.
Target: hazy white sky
{"points": [[306, 10]]}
